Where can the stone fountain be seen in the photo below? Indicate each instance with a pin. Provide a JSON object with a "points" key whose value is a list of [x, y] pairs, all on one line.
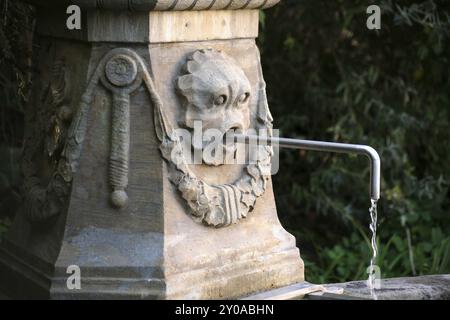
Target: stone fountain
{"points": [[105, 188]]}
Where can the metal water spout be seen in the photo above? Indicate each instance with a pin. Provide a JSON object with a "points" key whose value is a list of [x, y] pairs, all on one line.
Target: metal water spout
{"points": [[371, 153]]}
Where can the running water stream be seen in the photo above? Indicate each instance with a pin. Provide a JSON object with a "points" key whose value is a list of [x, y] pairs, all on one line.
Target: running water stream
{"points": [[372, 268], [373, 281]]}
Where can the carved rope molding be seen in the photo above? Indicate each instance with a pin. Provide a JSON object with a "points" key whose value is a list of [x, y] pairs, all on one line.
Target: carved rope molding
{"points": [[160, 5]]}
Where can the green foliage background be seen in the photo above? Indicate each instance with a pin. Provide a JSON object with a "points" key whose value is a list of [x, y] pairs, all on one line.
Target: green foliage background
{"points": [[329, 78]]}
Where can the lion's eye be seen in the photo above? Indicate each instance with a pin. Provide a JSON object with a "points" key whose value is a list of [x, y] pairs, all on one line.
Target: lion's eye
{"points": [[220, 100], [244, 97]]}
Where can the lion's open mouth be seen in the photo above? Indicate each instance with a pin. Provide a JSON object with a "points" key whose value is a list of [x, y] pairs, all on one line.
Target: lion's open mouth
{"points": [[228, 138]]}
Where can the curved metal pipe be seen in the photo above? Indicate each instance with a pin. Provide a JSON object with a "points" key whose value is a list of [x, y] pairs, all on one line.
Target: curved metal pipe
{"points": [[371, 153]]}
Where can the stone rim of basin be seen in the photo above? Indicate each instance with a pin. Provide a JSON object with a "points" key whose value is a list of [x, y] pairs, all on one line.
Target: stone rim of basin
{"points": [[429, 287]]}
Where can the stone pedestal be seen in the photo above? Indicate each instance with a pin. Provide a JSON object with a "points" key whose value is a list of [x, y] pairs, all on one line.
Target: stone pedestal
{"points": [[103, 190]]}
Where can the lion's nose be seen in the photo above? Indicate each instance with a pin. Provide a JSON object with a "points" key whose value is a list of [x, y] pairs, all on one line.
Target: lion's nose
{"points": [[234, 120]]}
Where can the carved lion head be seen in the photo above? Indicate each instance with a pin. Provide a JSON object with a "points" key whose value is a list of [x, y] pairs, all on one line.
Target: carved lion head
{"points": [[216, 92]]}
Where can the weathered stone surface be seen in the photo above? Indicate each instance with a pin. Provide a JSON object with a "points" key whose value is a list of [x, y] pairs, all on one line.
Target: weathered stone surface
{"points": [[153, 26], [294, 292], [102, 189], [189, 25], [434, 287]]}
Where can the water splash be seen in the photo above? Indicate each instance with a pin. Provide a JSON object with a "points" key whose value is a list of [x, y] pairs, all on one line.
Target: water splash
{"points": [[371, 282]]}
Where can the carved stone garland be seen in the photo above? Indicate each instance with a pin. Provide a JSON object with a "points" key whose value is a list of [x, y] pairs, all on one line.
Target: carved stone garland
{"points": [[122, 71], [218, 205]]}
